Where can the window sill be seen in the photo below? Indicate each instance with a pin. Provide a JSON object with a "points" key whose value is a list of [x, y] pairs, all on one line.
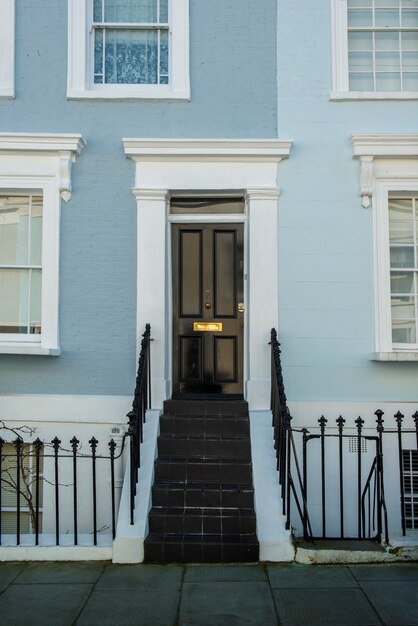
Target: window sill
{"points": [[7, 94], [127, 94], [28, 348], [373, 95], [395, 356]]}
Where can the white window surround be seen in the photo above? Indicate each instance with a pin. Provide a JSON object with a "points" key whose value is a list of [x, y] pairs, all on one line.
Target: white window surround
{"points": [[41, 163], [389, 164], [242, 168], [7, 43], [80, 83], [339, 39]]}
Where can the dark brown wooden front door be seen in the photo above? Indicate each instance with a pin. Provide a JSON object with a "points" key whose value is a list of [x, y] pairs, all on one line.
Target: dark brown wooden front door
{"points": [[208, 310]]}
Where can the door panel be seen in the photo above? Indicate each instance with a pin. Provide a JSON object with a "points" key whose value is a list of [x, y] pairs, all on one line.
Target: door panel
{"points": [[225, 359], [207, 288], [191, 365], [224, 258], [191, 273]]}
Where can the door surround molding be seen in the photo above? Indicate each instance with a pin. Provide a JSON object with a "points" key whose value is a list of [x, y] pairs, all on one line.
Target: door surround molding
{"points": [[247, 168]]}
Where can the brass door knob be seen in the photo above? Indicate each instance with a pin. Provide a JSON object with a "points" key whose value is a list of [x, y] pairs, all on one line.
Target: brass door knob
{"points": [[207, 305], [241, 307]]}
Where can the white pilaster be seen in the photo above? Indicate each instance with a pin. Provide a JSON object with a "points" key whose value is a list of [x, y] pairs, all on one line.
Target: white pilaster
{"points": [[151, 283], [262, 307]]}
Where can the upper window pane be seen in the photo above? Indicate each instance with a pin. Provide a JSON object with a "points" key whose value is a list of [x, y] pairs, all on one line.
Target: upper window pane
{"points": [[404, 254], [20, 263], [134, 55], [14, 230], [388, 31], [204, 206], [130, 11]]}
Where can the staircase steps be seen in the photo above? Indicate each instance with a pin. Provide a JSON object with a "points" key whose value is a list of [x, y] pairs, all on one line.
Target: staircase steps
{"points": [[203, 497]]}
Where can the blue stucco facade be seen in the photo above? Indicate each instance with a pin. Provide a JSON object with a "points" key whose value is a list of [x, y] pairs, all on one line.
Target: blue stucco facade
{"points": [[233, 94], [258, 70], [325, 237]]}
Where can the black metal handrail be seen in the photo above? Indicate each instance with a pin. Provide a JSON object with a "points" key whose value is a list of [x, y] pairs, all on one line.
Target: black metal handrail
{"points": [[137, 415], [284, 441], [369, 496]]}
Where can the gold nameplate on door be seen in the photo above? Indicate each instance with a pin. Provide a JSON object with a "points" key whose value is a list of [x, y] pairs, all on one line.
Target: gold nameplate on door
{"points": [[210, 327]]}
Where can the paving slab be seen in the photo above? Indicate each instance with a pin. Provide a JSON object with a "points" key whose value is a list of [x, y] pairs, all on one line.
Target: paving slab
{"points": [[395, 601], [49, 605], [225, 573], [8, 573], [141, 577], [61, 573], [322, 607], [227, 604], [386, 571], [310, 577], [141, 608]]}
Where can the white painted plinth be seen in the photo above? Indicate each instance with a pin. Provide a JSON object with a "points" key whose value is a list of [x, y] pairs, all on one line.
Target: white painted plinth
{"points": [[275, 541], [128, 546]]}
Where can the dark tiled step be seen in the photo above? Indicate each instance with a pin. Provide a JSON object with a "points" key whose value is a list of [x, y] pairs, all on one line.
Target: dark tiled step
{"points": [[190, 494], [204, 549], [203, 470], [204, 425], [226, 446], [202, 521], [206, 407]]}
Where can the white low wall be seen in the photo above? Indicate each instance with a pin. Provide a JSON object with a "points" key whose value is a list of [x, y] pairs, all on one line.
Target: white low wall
{"points": [[128, 547], [275, 541]]}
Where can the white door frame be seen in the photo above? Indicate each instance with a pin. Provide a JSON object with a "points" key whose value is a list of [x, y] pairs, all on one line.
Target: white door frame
{"points": [[246, 168]]}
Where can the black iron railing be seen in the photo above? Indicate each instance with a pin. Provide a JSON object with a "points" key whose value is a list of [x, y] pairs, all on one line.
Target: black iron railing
{"points": [[61, 492], [332, 476], [137, 416]]}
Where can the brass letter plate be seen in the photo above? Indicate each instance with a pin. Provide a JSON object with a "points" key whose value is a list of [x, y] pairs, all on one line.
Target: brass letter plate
{"points": [[207, 327]]}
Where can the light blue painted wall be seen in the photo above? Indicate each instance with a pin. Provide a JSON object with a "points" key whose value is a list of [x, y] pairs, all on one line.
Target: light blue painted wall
{"points": [[233, 70], [325, 235]]}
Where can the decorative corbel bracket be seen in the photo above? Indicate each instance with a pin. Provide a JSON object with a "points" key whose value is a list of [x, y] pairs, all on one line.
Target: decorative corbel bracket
{"points": [[66, 159], [366, 180]]}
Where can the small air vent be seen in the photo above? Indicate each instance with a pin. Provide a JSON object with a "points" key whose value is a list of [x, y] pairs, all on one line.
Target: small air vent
{"points": [[353, 444], [410, 481], [115, 431]]}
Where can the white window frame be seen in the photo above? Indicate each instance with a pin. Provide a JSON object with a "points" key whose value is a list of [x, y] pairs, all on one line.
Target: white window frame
{"points": [[340, 83], [80, 83], [7, 43], [389, 164], [40, 163]]}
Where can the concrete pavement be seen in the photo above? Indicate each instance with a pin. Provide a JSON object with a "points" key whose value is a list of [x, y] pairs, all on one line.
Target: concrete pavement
{"points": [[85, 594]]}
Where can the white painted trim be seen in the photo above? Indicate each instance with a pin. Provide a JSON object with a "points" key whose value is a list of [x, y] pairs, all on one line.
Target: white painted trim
{"points": [[48, 409], [373, 95], [385, 145], [80, 84], [7, 49], [202, 149], [41, 142], [245, 168], [403, 356], [306, 414], [31, 162], [55, 553], [28, 349], [128, 546], [275, 541], [388, 164], [339, 40]]}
